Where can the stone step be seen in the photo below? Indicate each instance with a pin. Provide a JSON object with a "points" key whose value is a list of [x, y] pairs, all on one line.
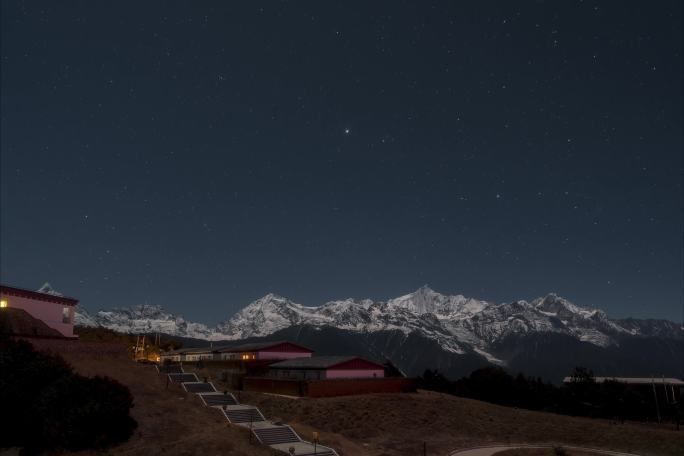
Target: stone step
{"points": [[170, 369], [217, 399], [276, 435], [243, 414], [199, 387], [180, 378]]}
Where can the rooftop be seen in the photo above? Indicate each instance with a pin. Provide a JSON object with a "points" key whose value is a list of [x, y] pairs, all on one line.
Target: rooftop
{"points": [[24, 293], [258, 346], [636, 380], [317, 362]]}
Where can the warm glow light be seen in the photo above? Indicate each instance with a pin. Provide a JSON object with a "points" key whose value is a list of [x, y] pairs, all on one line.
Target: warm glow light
{"points": [[3, 303]]}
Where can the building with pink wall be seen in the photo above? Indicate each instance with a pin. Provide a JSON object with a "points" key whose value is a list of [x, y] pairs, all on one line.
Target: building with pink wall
{"points": [[278, 350], [326, 367], [55, 311], [262, 351]]}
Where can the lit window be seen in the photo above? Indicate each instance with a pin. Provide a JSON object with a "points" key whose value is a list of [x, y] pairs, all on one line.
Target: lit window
{"points": [[3, 303], [66, 315]]}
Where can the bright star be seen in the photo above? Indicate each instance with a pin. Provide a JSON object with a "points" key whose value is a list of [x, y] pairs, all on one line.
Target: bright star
{"points": [[347, 131]]}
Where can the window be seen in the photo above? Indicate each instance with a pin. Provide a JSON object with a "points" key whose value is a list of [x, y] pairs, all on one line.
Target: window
{"points": [[3, 303], [66, 315]]}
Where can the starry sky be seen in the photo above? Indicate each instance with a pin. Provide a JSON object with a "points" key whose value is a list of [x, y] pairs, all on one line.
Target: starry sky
{"points": [[199, 155]]}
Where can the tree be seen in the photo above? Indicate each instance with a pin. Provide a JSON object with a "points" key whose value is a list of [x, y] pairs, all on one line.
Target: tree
{"points": [[46, 406]]}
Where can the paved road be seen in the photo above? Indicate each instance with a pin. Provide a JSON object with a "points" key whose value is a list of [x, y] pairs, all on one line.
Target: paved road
{"points": [[491, 450]]}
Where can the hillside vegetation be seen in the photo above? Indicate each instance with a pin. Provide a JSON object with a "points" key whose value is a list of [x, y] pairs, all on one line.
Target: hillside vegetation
{"points": [[398, 424], [172, 423], [169, 421]]}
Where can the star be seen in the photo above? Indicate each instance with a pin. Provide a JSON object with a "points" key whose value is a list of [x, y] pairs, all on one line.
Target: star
{"points": [[347, 131]]}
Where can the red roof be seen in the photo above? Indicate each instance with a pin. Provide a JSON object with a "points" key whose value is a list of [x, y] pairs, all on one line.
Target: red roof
{"points": [[21, 292], [276, 346], [328, 362], [357, 364]]}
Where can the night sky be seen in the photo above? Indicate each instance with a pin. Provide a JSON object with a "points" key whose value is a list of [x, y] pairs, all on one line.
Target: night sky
{"points": [[199, 155]]}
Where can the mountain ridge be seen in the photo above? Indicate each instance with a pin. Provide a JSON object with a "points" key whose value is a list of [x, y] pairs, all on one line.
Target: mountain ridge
{"points": [[458, 324]]}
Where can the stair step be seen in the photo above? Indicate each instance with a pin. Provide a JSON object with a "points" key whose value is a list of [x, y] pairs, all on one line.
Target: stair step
{"points": [[199, 387], [276, 435], [243, 415], [220, 399], [170, 369], [180, 378]]}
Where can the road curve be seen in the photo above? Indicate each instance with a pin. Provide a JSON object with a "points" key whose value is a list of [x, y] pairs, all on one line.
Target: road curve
{"points": [[493, 449]]}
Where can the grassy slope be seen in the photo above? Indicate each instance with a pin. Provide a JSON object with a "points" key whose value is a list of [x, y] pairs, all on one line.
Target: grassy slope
{"points": [[397, 424], [169, 421], [543, 452], [172, 423]]}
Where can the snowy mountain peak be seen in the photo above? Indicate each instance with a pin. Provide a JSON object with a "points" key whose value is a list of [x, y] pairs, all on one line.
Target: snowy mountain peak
{"points": [[427, 301], [144, 318], [458, 324], [47, 289], [271, 297], [561, 307]]}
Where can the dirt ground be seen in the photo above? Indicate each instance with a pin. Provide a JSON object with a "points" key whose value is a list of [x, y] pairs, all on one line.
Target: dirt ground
{"points": [[544, 452], [398, 424], [172, 423]]}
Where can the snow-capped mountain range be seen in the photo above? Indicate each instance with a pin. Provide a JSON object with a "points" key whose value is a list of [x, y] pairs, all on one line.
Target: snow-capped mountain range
{"points": [[458, 324]]}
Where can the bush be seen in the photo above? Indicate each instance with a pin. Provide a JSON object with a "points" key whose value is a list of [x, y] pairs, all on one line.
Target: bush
{"points": [[559, 451], [583, 396], [46, 406]]}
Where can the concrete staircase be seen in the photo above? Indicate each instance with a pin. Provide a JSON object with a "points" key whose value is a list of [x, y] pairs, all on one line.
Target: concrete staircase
{"points": [[280, 437]]}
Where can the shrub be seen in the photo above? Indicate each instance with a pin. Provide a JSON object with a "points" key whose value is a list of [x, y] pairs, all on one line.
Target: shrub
{"points": [[581, 397], [47, 406], [559, 451]]}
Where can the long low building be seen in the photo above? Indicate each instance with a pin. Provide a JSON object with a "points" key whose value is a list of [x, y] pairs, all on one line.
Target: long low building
{"points": [[278, 350], [326, 367], [669, 381], [262, 351], [175, 355]]}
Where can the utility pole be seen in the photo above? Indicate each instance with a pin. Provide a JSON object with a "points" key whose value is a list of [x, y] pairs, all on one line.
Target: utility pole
{"points": [[135, 351], [251, 420], [655, 398]]}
